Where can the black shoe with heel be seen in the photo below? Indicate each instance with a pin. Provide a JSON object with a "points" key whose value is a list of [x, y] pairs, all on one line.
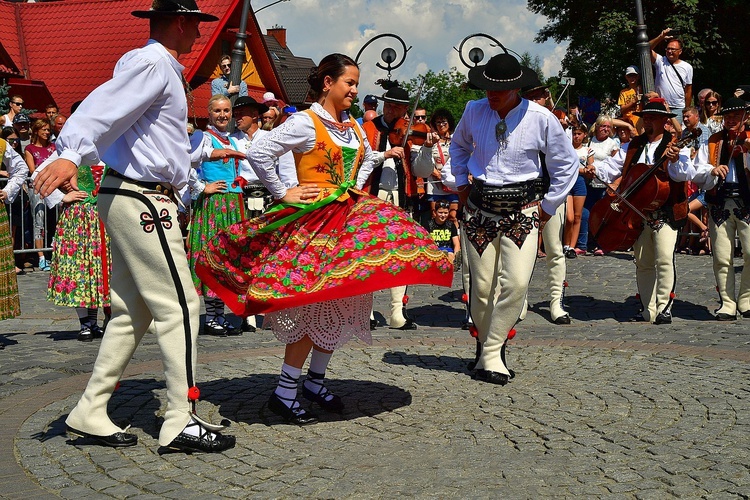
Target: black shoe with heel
{"points": [[206, 442], [323, 397], [294, 415]]}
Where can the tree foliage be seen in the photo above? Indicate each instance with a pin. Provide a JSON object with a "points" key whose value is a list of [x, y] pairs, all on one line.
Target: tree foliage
{"points": [[602, 39], [446, 89]]}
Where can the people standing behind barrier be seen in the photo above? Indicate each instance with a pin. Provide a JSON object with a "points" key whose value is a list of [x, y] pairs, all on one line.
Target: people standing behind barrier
{"points": [[290, 262], [81, 261], [673, 77], [219, 205], [630, 97], [710, 116], [10, 305], [15, 106], [18, 209], [44, 217], [604, 146], [577, 195], [434, 156]]}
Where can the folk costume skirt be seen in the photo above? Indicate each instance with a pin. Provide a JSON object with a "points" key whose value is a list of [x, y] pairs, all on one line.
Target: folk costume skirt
{"points": [[81, 261], [211, 214], [342, 249], [10, 305]]}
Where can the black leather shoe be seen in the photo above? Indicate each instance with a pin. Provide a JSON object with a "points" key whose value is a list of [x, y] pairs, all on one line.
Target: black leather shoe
{"points": [[85, 334], [571, 253], [116, 440], [189, 444], [232, 331], [726, 317], [663, 318], [214, 330], [97, 332], [563, 320], [745, 314], [638, 318], [409, 325], [490, 377], [333, 405], [298, 416], [373, 324], [247, 328]]}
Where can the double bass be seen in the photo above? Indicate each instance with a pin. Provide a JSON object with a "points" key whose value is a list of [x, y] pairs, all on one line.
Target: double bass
{"points": [[617, 219]]}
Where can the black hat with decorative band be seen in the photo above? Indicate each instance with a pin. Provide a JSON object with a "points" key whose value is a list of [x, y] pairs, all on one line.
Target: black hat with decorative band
{"points": [[733, 104], [174, 8], [655, 106], [502, 72], [534, 83], [248, 101], [395, 95]]}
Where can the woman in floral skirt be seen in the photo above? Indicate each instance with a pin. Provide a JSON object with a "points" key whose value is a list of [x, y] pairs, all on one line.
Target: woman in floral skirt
{"points": [[81, 265], [313, 260]]}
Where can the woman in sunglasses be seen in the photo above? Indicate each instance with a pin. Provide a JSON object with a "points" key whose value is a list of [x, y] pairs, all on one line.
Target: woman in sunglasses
{"points": [[709, 112], [15, 106]]}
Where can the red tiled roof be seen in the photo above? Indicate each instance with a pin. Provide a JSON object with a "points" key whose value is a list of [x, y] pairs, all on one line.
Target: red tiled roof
{"points": [[73, 45]]}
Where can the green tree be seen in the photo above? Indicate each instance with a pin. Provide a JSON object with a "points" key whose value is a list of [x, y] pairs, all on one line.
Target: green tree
{"points": [[602, 39], [446, 89]]}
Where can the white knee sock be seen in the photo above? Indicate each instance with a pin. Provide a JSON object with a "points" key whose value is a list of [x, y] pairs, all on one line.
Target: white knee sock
{"points": [[287, 388]]}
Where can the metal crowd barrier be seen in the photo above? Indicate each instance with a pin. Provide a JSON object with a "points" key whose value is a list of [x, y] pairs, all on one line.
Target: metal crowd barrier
{"points": [[21, 219]]}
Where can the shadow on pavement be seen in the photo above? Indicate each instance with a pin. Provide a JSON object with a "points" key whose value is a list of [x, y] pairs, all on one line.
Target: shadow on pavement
{"points": [[430, 362]]}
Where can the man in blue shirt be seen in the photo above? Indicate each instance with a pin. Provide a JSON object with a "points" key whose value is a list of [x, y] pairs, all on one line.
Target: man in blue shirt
{"points": [[222, 85]]}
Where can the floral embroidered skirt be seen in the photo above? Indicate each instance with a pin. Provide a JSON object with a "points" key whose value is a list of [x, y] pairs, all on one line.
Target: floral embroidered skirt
{"points": [[81, 260], [211, 214], [10, 305], [340, 250]]}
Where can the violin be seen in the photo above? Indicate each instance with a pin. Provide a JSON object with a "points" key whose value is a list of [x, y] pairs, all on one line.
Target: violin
{"points": [[417, 135], [616, 221]]}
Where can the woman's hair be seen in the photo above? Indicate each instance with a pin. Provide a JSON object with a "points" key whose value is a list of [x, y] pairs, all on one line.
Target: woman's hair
{"points": [[216, 98], [36, 127], [579, 127], [703, 115], [443, 113], [333, 65], [601, 120]]}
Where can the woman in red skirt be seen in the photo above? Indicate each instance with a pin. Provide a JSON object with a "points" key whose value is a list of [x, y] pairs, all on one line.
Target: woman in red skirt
{"points": [[313, 260]]}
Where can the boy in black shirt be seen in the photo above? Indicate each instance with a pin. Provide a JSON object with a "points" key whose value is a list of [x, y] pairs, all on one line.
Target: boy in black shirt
{"points": [[444, 233]]}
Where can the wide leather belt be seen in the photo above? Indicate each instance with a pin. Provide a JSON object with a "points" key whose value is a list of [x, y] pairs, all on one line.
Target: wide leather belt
{"points": [[255, 191], [160, 187], [508, 198], [731, 190]]}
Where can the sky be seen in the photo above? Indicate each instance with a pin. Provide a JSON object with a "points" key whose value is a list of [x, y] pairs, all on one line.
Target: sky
{"points": [[431, 28]]}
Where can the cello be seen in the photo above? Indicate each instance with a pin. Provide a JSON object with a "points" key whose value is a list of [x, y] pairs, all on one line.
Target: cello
{"points": [[617, 219]]}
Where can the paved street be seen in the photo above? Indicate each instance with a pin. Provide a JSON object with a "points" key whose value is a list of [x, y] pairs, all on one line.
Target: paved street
{"points": [[600, 408]]}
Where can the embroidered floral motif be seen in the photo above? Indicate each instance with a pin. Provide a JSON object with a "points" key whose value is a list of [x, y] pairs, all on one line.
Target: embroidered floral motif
{"points": [[517, 225], [480, 231], [742, 214], [719, 215], [332, 166], [147, 222], [162, 199]]}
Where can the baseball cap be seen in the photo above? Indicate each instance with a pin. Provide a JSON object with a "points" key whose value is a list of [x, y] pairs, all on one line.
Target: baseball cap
{"points": [[21, 118], [269, 97], [631, 70], [370, 99]]}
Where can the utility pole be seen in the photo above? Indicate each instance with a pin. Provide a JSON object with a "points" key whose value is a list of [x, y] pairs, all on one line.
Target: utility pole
{"points": [[644, 51]]}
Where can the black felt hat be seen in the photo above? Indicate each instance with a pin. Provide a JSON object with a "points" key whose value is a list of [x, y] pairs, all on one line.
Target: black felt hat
{"points": [[534, 82], [241, 102], [395, 95], [733, 104], [655, 106], [174, 8], [502, 72]]}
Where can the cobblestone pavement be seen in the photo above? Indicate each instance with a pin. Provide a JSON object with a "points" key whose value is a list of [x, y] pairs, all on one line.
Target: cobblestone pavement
{"points": [[600, 408]]}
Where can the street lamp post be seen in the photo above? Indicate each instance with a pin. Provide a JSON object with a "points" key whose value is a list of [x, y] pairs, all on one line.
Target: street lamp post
{"points": [[644, 50]]}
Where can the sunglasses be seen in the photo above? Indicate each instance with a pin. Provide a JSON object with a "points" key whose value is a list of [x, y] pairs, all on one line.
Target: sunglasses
{"points": [[712, 103], [225, 65], [420, 117], [17, 103]]}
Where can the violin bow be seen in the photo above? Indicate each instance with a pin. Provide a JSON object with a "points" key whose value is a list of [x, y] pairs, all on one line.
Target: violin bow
{"points": [[413, 111]]}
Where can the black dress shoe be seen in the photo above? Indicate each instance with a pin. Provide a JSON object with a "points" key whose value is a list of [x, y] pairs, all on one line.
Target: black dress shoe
{"points": [[409, 325], [745, 314], [85, 334], [726, 317], [298, 415], [563, 320], [232, 331], [663, 318], [116, 440], [97, 331], [247, 328], [214, 330], [373, 324], [490, 377], [333, 405], [203, 443]]}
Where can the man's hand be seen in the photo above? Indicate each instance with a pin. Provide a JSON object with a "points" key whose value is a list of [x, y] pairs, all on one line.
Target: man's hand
{"points": [[672, 153], [720, 171], [301, 194], [397, 152], [3, 196], [227, 154], [55, 175], [543, 218]]}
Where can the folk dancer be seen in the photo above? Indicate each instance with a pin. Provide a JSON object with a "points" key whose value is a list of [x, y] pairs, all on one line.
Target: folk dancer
{"points": [[498, 142], [146, 93], [654, 249], [723, 168], [391, 180]]}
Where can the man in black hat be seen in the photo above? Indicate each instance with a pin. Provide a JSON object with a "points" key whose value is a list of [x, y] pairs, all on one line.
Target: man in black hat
{"points": [[654, 249], [498, 142], [391, 179], [137, 123], [722, 164]]}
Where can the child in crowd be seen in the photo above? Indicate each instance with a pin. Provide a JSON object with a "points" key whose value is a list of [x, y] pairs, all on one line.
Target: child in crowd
{"points": [[444, 233]]}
